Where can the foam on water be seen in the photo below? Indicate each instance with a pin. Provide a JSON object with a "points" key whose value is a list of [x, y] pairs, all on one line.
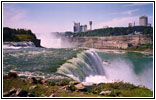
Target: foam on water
{"points": [[89, 69]]}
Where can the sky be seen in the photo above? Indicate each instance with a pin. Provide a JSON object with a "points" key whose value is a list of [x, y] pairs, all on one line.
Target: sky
{"points": [[59, 17]]}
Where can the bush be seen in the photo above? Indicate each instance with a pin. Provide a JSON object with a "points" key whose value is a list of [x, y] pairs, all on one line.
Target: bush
{"points": [[52, 83]]}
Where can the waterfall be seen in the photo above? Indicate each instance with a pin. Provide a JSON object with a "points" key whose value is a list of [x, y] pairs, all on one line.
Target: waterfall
{"points": [[88, 68], [85, 64], [17, 45]]}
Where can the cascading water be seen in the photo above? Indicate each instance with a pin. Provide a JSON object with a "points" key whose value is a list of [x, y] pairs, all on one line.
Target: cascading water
{"points": [[17, 45], [86, 64], [88, 68], [54, 40]]}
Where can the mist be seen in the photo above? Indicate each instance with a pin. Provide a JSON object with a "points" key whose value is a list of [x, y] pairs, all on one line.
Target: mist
{"points": [[54, 40], [123, 70]]}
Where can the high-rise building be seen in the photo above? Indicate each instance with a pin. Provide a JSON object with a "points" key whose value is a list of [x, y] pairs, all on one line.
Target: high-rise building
{"points": [[83, 28], [90, 23], [131, 24], [143, 21], [79, 28], [76, 27]]}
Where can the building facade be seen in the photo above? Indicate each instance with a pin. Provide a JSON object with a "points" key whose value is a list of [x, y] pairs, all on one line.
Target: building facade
{"points": [[83, 28], [143, 21], [76, 27], [79, 28]]}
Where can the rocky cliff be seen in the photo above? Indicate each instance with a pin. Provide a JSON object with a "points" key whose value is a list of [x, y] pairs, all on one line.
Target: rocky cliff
{"points": [[111, 42]]}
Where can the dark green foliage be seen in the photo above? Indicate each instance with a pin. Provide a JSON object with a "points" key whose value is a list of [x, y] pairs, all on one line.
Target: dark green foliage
{"points": [[148, 31], [52, 83], [18, 35], [62, 82], [141, 47]]}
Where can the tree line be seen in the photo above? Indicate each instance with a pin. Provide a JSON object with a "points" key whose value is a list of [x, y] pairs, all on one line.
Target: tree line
{"points": [[17, 35], [116, 31]]}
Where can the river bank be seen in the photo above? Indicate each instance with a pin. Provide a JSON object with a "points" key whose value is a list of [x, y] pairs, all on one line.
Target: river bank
{"points": [[14, 86]]}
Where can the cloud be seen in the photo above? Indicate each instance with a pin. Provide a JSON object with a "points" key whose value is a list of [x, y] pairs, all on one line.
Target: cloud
{"points": [[18, 18], [138, 4], [116, 22], [128, 12]]}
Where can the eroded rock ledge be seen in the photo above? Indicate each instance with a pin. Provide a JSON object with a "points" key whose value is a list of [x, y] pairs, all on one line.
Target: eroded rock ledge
{"points": [[111, 42]]}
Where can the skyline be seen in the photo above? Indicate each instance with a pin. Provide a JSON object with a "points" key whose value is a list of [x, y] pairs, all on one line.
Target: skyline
{"points": [[59, 17]]}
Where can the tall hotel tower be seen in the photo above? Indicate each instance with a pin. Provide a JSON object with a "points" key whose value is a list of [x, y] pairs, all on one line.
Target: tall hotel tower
{"points": [[143, 21]]}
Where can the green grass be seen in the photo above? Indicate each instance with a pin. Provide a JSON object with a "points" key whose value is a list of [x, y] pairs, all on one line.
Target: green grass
{"points": [[25, 37], [119, 89]]}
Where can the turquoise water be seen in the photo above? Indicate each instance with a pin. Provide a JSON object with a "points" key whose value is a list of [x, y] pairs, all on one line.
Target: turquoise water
{"points": [[36, 61], [86, 66], [140, 61]]}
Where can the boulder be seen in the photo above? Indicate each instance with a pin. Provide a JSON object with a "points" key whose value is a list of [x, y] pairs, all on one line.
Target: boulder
{"points": [[74, 82], [30, 95], [44, 82], [80, 87], [6, 94], [39, 79], [21, 93], [12, 75], [10, 93], [106, 92], [32, 80], [66, 87], [33, 87], [52, 95], [42, 95]]}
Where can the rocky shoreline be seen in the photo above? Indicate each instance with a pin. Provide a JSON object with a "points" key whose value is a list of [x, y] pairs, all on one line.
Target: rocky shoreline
{"points": [[13, 86]]}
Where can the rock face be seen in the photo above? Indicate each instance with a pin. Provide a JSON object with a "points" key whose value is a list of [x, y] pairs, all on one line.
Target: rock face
{"points": [[37, 42], [111, 42], [80, 87], [12, 75], [107, 92]]}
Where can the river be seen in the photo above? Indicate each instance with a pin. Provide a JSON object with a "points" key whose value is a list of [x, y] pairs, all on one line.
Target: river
{"points": [[88, 66]]}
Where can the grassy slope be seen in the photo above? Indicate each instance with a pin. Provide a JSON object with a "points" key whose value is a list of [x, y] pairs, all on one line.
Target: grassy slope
{"points": [[119, 89]]}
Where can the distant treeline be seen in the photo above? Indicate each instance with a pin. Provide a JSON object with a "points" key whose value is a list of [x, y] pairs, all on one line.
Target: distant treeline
{"points": [[148, 31], [18, 35]]}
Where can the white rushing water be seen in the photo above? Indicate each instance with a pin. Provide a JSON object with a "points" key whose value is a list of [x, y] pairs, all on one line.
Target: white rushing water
{"points": [[54, 40], [89, 68], [17, 45], [86, 64]]}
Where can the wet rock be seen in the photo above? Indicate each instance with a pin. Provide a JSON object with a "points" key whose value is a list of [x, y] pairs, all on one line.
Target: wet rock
{"points": [[32, 80], [42, 95], [44, 82], [11, 92], [67, 87], [30, 95], [106, 92], [52, 95], [12, 75], [6, 94], [39, 79], [74, 82], [80, 87], [21, 93], [32, 87]]}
